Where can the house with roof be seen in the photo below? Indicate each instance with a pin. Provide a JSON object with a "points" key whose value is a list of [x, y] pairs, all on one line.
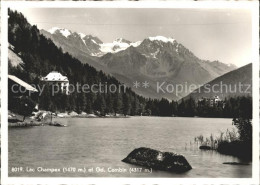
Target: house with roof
{"points": [[61, 82], [17, 89]]}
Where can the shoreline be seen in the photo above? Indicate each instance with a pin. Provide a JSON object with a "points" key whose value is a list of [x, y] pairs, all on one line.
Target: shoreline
{"points": [[42, 114], [29, 122], [42, 118]]}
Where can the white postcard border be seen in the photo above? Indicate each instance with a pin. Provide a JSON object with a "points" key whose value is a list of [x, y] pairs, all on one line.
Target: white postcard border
{"points": [[254, 6]]}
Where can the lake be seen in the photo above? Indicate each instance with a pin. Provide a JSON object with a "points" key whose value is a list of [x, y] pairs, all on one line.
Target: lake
{"points": [[90, 147]]}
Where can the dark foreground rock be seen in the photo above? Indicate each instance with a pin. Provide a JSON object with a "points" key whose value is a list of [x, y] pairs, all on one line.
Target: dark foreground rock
{"points": [[157, 160]]}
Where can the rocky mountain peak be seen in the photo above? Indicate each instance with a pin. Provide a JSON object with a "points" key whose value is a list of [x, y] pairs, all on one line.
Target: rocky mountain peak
{"points": [[122, 40], [161, 39], [62, 31]]}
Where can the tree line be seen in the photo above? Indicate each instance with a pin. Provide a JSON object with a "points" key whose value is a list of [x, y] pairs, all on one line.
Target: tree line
{"points": [[232, 107]]}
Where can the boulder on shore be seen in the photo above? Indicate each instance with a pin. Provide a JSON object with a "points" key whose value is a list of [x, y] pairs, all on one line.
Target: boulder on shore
{"points": [[166, 161]]}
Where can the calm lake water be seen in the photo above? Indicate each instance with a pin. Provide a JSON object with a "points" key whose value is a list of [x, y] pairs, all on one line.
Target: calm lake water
{"points": [[104, 142]]}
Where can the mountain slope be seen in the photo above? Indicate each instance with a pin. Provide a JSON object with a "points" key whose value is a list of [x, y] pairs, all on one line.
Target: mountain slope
{"points": [[162, 62], [234, 83], [74, 44], [14, 59]]}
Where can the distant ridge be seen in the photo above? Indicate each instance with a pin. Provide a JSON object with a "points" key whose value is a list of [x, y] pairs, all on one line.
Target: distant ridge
{"points": [[241, 76]]}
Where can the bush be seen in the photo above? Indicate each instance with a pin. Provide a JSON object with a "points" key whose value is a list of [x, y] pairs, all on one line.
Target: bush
{"points": [[244, 127], [237, 148]]}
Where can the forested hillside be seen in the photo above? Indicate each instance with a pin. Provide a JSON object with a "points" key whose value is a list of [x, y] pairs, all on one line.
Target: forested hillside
{"points": [[40, 56]]}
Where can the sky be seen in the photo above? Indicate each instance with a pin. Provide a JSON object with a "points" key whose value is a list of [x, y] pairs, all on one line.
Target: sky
{"points": [[211, 34]]}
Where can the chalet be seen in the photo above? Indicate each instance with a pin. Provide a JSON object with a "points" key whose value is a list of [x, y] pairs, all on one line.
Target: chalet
{"points": [[57, 79]]}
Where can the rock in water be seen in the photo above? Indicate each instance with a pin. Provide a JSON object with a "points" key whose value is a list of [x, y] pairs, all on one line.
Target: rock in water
{"points": [[157, 160]]}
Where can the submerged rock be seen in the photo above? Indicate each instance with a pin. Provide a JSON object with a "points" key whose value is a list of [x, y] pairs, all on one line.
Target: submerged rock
{"points": [[157, 160], [236, 163], [56, 124], [205, 147]]}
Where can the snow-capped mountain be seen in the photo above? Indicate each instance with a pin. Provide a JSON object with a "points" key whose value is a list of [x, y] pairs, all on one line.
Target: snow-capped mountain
{"points": [[93, 45], [65, 38], [117, 45], [155, 59]]}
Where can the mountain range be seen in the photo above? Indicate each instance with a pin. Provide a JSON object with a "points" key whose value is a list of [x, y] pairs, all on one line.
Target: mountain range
{"points": [[156, 60]]}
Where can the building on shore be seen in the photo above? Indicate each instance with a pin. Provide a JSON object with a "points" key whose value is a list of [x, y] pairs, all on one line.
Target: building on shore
{"points": [[214, 101], [57, 79], [211, 102]]}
